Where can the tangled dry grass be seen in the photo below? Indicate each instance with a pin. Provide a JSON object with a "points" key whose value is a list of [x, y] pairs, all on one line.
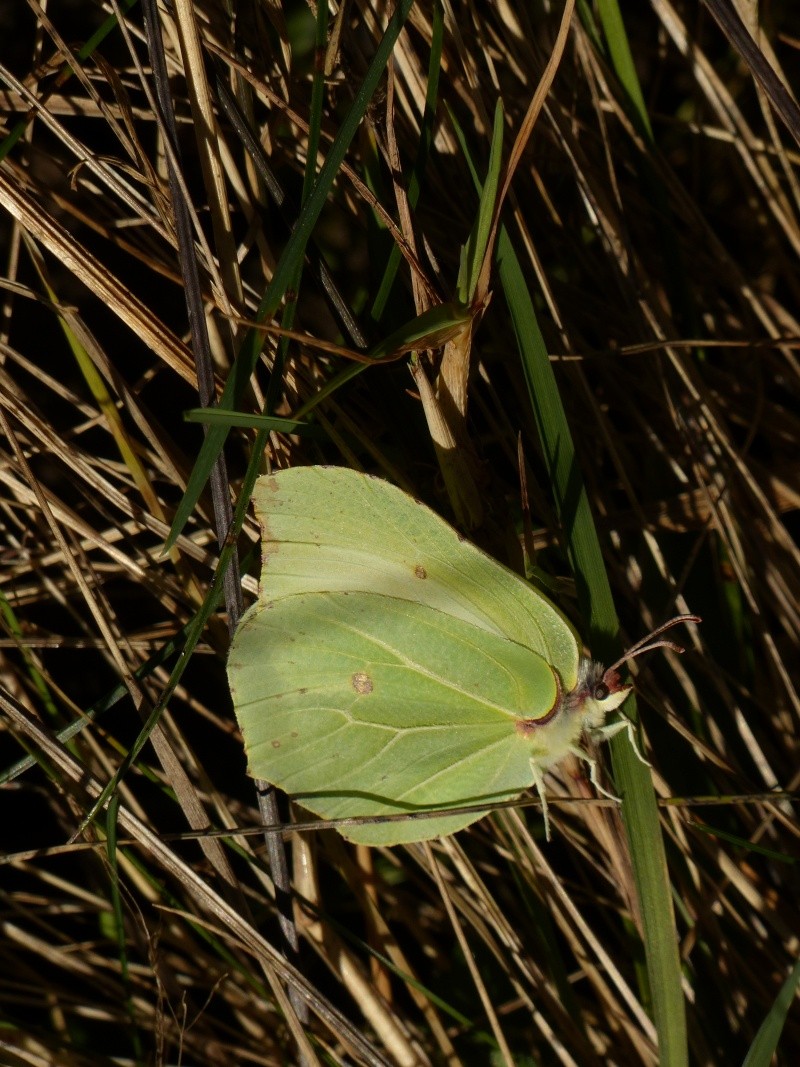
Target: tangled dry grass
{"points": [[657, 237]]}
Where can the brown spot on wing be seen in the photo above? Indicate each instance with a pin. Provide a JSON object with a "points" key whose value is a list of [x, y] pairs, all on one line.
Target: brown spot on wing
{"points": [[362, 683]]}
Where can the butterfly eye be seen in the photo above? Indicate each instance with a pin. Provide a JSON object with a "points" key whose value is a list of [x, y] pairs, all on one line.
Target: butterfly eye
{"points": [[601, 691]]}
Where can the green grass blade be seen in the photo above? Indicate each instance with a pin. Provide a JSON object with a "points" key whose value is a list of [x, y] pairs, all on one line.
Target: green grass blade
{"points": [[633, 781], [473, 252], [222, 417], [766, 1040], [431, 329], [619, 50], [621, 57]]}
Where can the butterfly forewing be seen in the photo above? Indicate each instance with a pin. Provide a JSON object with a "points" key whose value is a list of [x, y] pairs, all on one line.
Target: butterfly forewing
{"points": [[333, 529]]}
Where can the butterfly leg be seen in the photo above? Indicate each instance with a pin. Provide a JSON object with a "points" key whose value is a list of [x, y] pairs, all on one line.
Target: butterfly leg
{"points": [[538, 781], [592, 765], [605, 733]]}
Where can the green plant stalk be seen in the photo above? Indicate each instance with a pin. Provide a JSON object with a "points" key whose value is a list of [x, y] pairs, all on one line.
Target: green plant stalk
{"points": [[633, 781]]}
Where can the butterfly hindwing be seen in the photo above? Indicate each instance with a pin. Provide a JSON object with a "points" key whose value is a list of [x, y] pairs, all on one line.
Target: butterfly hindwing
{"points": [[366, 704]]}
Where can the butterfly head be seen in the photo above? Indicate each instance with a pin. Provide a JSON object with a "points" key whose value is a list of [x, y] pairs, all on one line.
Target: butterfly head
{"points": [[599, 690]]}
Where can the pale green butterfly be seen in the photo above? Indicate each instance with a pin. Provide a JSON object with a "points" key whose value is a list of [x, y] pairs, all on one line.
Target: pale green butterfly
{"points": [[391, 666]]}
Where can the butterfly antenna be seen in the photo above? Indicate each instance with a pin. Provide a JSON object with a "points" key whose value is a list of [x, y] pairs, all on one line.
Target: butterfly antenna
{"points": [[647, 644]]}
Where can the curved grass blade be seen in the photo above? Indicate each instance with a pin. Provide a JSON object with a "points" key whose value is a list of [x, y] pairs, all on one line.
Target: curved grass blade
{"points": [[766, 1040], [633, 780]]}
